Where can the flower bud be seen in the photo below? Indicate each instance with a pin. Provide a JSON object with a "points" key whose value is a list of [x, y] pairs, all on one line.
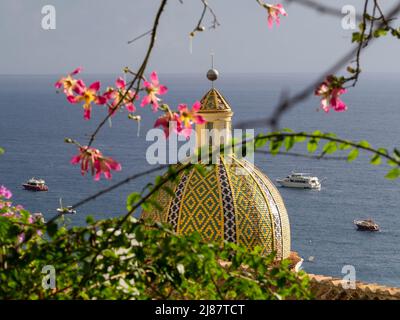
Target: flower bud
{"points": [[135, 117]]}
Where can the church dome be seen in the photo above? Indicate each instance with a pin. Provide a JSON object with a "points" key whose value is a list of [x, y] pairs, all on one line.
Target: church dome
{"points": [[232, 201]]}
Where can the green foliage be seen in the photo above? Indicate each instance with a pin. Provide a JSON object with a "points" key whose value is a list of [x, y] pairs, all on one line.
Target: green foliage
{"points": [[393, 173], [353, 154], [1, 151], [356, 37], [376, 160], [138, 261], [132, 199], [380, 32]]}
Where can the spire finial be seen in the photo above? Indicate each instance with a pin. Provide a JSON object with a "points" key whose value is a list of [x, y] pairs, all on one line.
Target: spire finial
{"points": [[212, 74]]}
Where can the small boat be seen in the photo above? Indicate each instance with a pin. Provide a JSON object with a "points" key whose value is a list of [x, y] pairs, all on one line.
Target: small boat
{"points": [[366, 225], [34, 184], [300, 180], [65, 210]]}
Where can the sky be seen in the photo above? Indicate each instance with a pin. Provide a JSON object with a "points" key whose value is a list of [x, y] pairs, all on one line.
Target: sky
{"points": [[94, 34]]}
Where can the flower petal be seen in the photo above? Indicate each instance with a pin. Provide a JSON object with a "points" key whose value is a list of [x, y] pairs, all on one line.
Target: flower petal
{"points": [[196, 106], [146, 100], [120, 83], [162, 90], [154, 78], [95, 86], [76, 71]]}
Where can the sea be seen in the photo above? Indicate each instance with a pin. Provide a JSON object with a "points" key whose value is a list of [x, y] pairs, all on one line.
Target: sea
{"points": [[35, 120]]}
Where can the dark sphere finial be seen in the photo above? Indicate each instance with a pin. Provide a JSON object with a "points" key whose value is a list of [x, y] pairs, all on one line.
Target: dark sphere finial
{"points": [[212, 74]]}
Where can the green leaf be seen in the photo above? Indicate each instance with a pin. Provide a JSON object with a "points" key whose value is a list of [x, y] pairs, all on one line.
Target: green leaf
{"points": [[52, 229], [109, 253], [396, 152], [312, 145], [380, 32], [1, 151], [356, 37], [132, 199], [289, 142], [89, 220], [383, 150], [364, 144], [344, 146], [376, 160], [392, 163], [260, 141], [393, 174], [156, 205], [353, 154], [300, 139], [330, 147], [275, 146], [147, 206]]}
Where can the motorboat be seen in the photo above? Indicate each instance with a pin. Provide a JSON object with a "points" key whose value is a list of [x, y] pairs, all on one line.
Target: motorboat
{"points": [[34, 184], [300, 180], [366, 225]]}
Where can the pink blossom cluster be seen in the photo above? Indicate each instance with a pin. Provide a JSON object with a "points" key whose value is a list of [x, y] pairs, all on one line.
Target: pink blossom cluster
{"points": [[77, 91], [274, 10], [330, 91], [183, 120], [15, 212], [92, 159], [121, 95], [5, 193]]}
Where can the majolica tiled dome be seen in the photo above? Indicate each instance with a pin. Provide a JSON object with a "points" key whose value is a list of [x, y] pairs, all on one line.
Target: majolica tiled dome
{"points": [[234, 201]]}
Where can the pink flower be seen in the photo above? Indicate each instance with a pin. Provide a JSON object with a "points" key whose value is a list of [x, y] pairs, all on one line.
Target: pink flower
{"points": [[4, 204], [153, 89], [88, 96], [273, 14], [68, 82], [329, 91], [166, 122], [5, 193], [118, 95], [188, 117], [93, 159]]}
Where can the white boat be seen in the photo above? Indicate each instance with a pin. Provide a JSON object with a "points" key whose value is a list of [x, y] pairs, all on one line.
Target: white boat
{"points": [[65, 210], [34, 184], [300, 180]]}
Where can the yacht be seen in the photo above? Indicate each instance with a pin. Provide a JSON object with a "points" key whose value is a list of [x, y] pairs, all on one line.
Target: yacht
{"points": [[366, 225], [300, 180], [34, 184]]}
